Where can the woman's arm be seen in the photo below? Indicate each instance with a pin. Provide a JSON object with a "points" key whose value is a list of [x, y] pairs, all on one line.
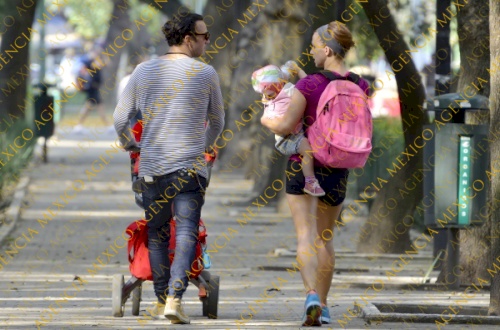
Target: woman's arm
{"points": [[286, 124]]}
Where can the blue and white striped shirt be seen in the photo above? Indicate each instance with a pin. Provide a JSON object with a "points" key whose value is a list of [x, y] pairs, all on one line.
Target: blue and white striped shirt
{"points": [[176, 98]]}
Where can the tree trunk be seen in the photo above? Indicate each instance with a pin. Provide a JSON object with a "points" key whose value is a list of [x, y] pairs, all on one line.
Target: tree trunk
{"points": [[245, 53], [259, 43], [135, 50], [265, 164], [475, 247], [495, 153], [222, 19], [13, 79], [270, 38], [120, 20], [386, 229]]}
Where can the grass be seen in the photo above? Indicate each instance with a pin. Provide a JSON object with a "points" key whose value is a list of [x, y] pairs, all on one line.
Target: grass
{"points": [[13, 165]]}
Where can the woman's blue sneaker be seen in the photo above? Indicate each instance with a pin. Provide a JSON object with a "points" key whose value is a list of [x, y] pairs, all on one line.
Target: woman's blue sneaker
{"points": [[325, 315], [312, 313]]}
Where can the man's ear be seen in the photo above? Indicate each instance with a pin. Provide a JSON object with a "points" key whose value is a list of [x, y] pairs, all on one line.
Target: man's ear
{"points": [[186, 38]]}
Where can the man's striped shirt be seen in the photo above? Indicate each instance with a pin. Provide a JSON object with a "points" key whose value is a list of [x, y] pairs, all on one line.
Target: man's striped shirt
{"points": [[176, 98]]}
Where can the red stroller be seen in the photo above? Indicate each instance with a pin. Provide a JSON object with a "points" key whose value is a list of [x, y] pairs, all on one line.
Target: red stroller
{"points": [[207, 285]]}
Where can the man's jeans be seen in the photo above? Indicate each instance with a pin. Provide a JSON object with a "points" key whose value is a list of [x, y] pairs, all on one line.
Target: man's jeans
{"points": [[182, 193]]}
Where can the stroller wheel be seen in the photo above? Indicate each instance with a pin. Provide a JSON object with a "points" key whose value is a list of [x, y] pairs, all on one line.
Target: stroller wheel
{"points": [[213, 297], [136, 300], [117, 295]]}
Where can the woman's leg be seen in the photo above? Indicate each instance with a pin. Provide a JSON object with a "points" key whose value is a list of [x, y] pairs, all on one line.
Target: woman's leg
{"points": [[303, 209], [325, 223]]}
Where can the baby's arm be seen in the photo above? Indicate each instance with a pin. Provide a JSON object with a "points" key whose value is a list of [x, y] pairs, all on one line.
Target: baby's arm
{"points": [[301, 73], [293, 69], [269, 110]]}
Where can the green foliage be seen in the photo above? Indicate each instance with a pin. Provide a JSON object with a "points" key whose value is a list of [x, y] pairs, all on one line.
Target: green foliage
{"points": [[367, 47], [90, 18], [388, 127], [411, 17], [137, 8], [9, 173], [388, 142]]}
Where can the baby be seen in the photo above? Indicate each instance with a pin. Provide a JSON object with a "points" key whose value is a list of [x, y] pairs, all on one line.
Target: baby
{"points": [[272, 82]]}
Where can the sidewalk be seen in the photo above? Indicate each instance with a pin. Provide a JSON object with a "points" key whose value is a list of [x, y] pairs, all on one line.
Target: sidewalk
{"points": [[58, 262]]}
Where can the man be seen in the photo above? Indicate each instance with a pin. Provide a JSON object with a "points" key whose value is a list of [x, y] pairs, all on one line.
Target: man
{"points": [[177, 96]]}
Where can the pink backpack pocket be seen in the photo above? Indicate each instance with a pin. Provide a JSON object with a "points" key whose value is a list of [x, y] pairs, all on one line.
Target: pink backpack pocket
{"points": [[342, 133]]}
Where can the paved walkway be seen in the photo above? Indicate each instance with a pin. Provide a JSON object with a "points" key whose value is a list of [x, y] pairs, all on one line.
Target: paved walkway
{"points": [[58, 262]]}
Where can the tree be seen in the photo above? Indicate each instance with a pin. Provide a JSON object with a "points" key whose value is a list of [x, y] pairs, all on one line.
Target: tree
{"points": [[225, 15], [495, 152], [411, 94], [13, 71], [88, 17], [259, 44], [474, 42], [271, 37], [145, 19]]}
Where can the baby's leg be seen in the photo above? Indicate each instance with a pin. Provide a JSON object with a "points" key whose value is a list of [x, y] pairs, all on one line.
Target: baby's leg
{"points": [[305, 150], [311, 186]]}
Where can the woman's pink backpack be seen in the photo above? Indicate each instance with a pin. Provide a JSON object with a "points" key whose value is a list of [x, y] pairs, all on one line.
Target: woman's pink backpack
{"points": [[342, 133]]}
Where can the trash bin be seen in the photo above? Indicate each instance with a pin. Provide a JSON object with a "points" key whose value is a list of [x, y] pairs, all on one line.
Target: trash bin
{"points": [[457, 182], [460, 157], [44, 117]]}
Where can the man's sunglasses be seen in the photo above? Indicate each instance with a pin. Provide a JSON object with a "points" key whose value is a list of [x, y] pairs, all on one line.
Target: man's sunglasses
{"points": [[207, 35]]}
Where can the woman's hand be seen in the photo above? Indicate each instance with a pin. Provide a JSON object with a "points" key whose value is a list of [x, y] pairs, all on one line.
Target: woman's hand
{"points": [[286, 124]]}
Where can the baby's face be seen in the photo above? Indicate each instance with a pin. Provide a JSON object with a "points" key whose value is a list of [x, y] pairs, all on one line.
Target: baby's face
{"points": [[269, 94], [272, 90]]}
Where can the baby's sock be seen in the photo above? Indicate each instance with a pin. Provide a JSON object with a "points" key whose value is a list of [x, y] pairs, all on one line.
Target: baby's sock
{"points": [[310, 179]]}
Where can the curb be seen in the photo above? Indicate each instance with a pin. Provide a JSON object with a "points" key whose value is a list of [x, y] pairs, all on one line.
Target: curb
{"points": [[370, 312], [13, 210], [282, 252]]}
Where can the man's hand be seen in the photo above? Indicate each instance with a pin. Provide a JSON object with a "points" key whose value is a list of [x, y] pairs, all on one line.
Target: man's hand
{"points": [[210, 156], [133, 149]]}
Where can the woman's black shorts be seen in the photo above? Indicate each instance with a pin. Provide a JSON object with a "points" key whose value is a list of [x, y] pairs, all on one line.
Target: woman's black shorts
{"points": [[332, 180]]}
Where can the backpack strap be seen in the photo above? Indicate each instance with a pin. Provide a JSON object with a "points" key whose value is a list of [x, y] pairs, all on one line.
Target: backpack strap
{"points": [[352, 77]]}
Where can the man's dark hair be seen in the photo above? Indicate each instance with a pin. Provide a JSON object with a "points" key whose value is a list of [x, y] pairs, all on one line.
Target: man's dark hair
{"points": [[182, 25]]}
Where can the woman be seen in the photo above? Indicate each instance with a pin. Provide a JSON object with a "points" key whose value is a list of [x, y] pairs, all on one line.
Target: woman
{"points": [[314, 217]]}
